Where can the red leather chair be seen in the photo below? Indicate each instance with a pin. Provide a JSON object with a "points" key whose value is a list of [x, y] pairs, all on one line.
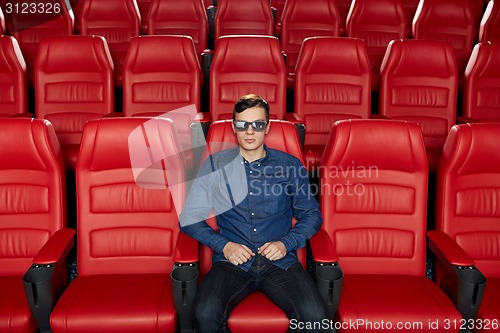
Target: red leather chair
{"points": [[154, 84], [373, 200], [173, 17], [243, 17], [482, 81], [115, 20], [31, 29], [13, 96], [451, 21], [144, 6], [74, 83], [302, 19], [377, 22], [410, 7], [467, 232], [332, 82], [128, 233], [489, 29], [32, 222], [256, 313], [419, 83], [243, 65]]}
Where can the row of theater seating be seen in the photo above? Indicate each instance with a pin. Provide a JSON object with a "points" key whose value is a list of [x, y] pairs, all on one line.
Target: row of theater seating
{"points": [[377, 22], [369, 254], [418, 83]]}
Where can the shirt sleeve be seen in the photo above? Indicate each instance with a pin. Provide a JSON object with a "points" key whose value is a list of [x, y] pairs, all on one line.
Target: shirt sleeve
{"points": [[198, 207], [305, 209]]}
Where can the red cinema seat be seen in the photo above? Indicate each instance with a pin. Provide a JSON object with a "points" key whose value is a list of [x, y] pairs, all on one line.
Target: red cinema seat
{"points": [[115, 20], [70, 92], [55, 19], [466, 239], [410, 7], [332, 82], [302, 19], [243, 17], [128, 233], [159, 84], [451, 21], [419, 83], [32, 222], [489, 29], [173, 17], [373, 186], [13, 96], [244, 65], [482, 84], [377, 22]]}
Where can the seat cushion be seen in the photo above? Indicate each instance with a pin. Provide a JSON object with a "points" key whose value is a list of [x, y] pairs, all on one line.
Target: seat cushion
{"points": [[257, 313], [490, 307], [15, 316], [396, 300], [116, 304]]}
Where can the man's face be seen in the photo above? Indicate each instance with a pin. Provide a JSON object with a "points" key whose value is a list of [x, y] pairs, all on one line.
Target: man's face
{"points": [[250, 139]]}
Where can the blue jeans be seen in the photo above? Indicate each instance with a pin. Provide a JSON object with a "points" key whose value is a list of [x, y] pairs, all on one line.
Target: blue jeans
{"points": [[226, 285]]}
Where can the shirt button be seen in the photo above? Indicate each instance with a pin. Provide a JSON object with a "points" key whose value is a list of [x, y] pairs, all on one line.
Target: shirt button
{"points": [[250, 171], [253, 214], [251, 193], [254, 229], [258, 164]]}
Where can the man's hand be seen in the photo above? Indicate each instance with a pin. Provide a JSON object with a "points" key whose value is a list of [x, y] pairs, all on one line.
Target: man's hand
{"points": [[237, 254], [273, 250]]}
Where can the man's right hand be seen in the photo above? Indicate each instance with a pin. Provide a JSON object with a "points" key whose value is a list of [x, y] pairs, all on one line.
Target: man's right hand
{"points": [[237, 254]]}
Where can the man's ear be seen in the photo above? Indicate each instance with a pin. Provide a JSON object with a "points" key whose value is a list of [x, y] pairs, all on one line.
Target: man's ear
{"points": [[268, 126], [232, 126]]}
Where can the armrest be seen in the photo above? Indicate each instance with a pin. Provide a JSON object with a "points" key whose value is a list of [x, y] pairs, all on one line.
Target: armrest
{"points": [[22, 115], [206, 62], [211, 23], [202, 117], [447, 250], [465, 120], [379, 116], [322, 248], [293, 118], [112, 115], [46, 279], [186, 250]]}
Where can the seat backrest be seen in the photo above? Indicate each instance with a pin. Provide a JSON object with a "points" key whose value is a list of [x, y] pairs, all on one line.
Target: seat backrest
{"points": [[373, 183], [243, 17], [124, 226], [377, 22], [282, 135], [419, 83], [302, 19], [68, 91], [244, 65], [115, 20], [173, 17], [467, 195], [489, 29], [13, 93], [410, 7], [447, 20], [482, 83], [332, 82], [32, 191]]}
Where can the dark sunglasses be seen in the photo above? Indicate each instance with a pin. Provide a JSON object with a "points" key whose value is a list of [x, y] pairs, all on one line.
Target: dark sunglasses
{"points": [[258, 125]]}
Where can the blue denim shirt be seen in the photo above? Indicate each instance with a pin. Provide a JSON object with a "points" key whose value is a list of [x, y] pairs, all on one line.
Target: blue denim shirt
{"points": [[253, 204]]}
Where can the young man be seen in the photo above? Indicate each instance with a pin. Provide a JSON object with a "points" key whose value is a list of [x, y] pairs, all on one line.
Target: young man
{"points": [[254, 191]]}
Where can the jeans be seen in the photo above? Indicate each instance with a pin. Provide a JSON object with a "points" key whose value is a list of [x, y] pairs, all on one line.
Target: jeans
{"points": [[226, 285]]}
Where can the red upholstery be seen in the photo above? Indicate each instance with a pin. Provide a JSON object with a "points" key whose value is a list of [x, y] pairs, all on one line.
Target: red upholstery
{"points": [[489, 29], [419, 83], [377, 22], [256, 313], [410, 7], [279, 5], [302, 19], [243, 17], [207, 3], [247, 64], [482, 83], [332, 83], [447, 20], [13, 97], [173, 17], [70, 92], [466, 204], [155, 83], [2, 22], [373, 200], [31, 29], [126, 231], [144, 6], [32, 209], [115, 20], [76, 6], [343, 7]]}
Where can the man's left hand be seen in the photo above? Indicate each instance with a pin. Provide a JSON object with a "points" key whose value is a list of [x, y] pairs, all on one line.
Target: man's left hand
{"points": [[273, 250]]}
